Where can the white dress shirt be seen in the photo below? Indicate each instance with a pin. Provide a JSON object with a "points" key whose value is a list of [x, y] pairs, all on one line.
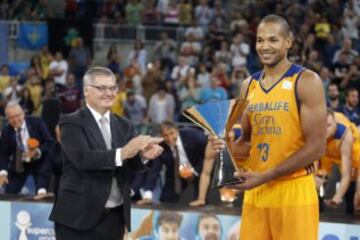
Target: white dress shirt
{"points": [[98, 116]]}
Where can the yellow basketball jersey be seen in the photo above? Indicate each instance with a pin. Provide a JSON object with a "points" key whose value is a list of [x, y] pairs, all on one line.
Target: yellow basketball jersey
{"points": [[274, 118], [333, 146]]}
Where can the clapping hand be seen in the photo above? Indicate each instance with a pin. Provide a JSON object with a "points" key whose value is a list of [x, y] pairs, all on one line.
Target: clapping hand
{"points": [[152, 150], [146, 145]]}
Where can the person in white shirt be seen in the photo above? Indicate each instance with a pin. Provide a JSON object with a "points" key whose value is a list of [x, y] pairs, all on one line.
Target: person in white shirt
{"points": [[239, 51], [59, 68]]}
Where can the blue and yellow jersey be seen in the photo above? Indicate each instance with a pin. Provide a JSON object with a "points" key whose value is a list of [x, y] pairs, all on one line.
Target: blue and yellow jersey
{"points": [[274, 118], [333, 146]]}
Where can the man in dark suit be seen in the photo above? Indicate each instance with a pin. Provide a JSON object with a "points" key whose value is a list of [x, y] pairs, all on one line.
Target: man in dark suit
{"points": [[99, 152], [183, 157], [18, 159]]}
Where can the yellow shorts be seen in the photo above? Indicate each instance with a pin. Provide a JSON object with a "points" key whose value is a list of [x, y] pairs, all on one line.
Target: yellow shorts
{"points": [[281, 210]]}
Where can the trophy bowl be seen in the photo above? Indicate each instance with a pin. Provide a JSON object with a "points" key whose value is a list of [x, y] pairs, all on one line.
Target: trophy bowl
{"points": [[220, 118]]}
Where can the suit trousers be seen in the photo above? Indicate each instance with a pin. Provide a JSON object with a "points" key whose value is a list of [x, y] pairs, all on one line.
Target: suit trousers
{"points": [[17, 180], [111, 226]]}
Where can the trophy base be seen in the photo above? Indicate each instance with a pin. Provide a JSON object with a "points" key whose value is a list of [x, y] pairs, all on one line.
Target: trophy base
{"points": [[230, 183]]}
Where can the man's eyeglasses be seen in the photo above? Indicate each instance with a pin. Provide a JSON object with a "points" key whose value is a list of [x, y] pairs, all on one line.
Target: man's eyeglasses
{"points": [[103, 88]]}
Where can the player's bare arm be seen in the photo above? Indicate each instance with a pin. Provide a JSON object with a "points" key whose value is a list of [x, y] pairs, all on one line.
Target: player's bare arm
{"points": [[346, 158]]}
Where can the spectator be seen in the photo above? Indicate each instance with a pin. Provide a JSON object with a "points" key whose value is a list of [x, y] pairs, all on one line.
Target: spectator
{"points": [[331, 47], [196, 30], [223, 56], [135, 81], [217, 26], [165, 50], [58, 68], [114, 60], [138, 54], [214, 92], [333, 97], [238, 76], [13, 91], [183, 148], [350, 109], [185, 12], [347, 50], [340, 68], [191, 50], [203, 76], [322, 31], [26, 103], [134, 10], [36, 91], [4, 78], [150, 15], [171, 14], [219, 73], [180, 70], [308, 46], [203, 14], [70, 96], [313, 62], [188, 90], [350, 26], [118, 105], [326, 77], [239, 51], [45, 60], [35, 64], [17, 159], [151, 80], [135, 107], [115, 10], [79, 60], [161, 106], [352, 78]]}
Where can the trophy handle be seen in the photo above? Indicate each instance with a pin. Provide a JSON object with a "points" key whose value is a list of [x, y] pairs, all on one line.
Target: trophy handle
{"points": [[224, 170]]}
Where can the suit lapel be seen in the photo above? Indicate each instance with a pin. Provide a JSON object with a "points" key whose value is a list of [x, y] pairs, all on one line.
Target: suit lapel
{"points": [[29, 128], [114, 131], [93, 127]]}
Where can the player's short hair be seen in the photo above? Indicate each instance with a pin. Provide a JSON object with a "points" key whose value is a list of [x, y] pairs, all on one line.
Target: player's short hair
{"points": [[279, 20]]}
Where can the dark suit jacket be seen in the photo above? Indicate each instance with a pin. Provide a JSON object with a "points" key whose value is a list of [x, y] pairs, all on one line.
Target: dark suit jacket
{"points": [[194, 143], [88, 169], [37, 129]]}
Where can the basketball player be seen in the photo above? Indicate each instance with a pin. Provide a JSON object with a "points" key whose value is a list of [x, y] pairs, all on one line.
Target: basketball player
{"points": [[343, 149], [285, 123]]}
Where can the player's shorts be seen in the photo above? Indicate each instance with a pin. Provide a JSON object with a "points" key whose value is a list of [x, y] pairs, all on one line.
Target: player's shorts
{"points": [[281, 210]]}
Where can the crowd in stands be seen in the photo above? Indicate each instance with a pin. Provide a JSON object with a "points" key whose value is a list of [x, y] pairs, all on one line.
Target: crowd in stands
{"points": [[216, 56]]}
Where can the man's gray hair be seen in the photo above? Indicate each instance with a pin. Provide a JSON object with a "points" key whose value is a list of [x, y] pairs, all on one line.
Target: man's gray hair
{"points": [[12, 104], [97, 71]]}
